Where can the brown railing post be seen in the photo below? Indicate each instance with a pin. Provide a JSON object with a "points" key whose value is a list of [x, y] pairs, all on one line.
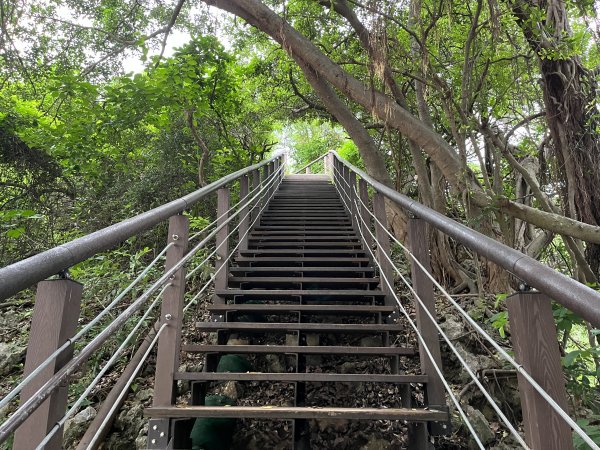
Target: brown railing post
{"points": [[222, 244], [244, 216], [167, 357], [255, 189], [423, 286], [353, 199], [533, 334], [54, 320], [383, 246], [263, 181], [363, 193]]}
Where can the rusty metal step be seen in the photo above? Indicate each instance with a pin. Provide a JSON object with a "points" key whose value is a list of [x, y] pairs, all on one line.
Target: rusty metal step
{"points": [[305, 244], [296, 412], [302, 251], [302, 377], [301, 349]]}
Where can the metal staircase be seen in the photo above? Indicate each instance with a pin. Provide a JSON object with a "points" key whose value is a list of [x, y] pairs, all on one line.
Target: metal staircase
{"points": [[304, 275]]}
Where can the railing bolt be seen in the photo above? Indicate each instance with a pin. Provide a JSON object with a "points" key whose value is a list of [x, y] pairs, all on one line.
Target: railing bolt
{"points": [[175, 237], [153, 441], [168, 316], [162, 434], [155, 427]]}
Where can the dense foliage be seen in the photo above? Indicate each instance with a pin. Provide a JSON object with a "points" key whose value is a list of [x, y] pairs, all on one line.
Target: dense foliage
{"points": [[507, 90]]}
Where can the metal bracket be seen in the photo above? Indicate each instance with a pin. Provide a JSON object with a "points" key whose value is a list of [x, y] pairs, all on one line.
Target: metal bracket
{"points": [[440, 428], [158, 433]]}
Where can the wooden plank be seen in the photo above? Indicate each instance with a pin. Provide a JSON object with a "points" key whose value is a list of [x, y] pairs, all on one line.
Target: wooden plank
{"points": [[533, 334], [301, 269], [167, 359], [303, 349], [54, 320], [302, 377], [302, 280], [284, 412]]}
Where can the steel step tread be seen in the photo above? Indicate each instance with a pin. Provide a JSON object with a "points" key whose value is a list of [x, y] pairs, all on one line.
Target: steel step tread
{"points": [[299, 292], [322, 309], [301, 269], [314, 251], [296, 412], [300, 326], [315, 377], [301, 349], [276, 279]]}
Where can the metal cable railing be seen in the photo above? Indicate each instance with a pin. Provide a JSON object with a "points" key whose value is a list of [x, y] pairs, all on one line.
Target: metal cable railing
{"points": [[547, 397], [17, 389], [259, 197], [438, 370], [505, 254], [163, 283]]}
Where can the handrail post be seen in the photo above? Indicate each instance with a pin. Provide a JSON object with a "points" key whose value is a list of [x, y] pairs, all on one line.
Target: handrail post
{"points": [[54, 320], [423, 286], [383, 246], [363, 193], [533, 334], [169, 342], [244, 216], [167, 356], [263, 181], [222, 244], [353, 199], [255, 189], [345, 188], [272, 187]]}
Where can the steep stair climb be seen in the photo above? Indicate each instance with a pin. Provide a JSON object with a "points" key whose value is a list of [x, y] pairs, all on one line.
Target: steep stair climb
{"points": [[303, 309]]}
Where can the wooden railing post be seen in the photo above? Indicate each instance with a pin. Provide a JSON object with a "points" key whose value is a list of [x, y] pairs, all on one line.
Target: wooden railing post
{"points": [[167, 357], [363, 194], [533, 334], [353, 199], [222, 244], [244, 216], [263, 181], [255, 189], [169, 342], [383, 246], [54, 320], [423, 286]]}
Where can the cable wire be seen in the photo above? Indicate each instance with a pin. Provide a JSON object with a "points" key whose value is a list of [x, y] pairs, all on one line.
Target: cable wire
{"points": [[17, 389], [494, 344], [426, 348], [133, 376], [101, 373]]}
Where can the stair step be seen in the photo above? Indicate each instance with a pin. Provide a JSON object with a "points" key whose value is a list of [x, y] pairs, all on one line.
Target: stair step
{"points": [[315, 251], [303, 280], [295, 412], [299, 292], [306, 245], [299, 326], [302, 377], [328, 270], [302, 349], [315, 309]]}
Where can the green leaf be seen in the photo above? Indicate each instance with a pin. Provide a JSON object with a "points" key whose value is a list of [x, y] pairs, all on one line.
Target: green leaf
{"points": [[15, 233]]}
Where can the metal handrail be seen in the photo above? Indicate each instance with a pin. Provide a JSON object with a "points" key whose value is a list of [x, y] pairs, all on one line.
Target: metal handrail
{"points": [[314, 161], [570, 293], [25, 273]]}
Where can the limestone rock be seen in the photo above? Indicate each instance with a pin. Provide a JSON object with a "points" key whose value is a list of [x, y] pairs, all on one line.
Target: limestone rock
{"points": [[10, 355], [76, 426], [480, 425]]}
